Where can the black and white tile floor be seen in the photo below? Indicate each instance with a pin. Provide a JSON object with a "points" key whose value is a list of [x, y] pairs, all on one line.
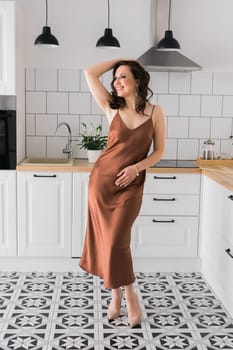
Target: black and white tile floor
{"points": [[56, 311]]}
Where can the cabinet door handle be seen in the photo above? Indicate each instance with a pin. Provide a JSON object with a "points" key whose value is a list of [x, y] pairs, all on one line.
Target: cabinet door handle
{"points": [[165, 177], [231, 197], [164, 199], [35, 175], [163, 221], [228, 251]]}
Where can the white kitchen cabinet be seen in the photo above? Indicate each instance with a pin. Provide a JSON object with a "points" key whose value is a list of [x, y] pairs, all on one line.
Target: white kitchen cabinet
{"points": [[167, 226], [168, 222], [44, 213], [80, 192], [7, 50], [8, 237], [217, 239]]}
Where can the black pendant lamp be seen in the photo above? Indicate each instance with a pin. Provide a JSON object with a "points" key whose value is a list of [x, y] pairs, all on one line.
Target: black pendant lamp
{"points": [[108, 40], [46, 38], [168, 42]]}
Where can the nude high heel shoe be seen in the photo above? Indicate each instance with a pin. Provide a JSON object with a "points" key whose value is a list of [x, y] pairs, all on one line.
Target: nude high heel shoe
{"points": [[135, 317], [114, 311]]}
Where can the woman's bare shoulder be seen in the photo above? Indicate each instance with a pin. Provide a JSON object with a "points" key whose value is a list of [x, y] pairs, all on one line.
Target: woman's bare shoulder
{"points": [[158, 114]]}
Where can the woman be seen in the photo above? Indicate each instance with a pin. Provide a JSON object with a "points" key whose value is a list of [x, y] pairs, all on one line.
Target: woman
{"points": [[117, 178]]}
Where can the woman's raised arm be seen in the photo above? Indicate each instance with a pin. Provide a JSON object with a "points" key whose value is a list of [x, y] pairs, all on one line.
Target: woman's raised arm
{"points": [[99, 92]]}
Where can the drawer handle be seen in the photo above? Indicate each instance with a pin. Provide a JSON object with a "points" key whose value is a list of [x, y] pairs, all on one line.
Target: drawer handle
{"points": [[164, 199], [35, 175], [163, 221], [228, 251], [231, 197], [165, 177]]}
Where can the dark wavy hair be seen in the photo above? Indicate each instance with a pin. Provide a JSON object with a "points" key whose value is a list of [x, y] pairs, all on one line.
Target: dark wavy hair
{"points": [[144, 93]]}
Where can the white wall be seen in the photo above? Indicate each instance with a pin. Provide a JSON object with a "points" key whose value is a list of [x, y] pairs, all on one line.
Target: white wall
{"points": [[197, 105], [78, 24], [204, 29]]}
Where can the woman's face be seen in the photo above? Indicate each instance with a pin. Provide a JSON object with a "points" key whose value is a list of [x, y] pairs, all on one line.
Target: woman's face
{"points": [[124, 82]]}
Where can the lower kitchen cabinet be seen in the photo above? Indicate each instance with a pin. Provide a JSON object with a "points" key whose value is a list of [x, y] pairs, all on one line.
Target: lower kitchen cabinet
{"points": [[8, 233], [168, 222], [80, 192], [217, 239], [44, 213], [160, 237]]}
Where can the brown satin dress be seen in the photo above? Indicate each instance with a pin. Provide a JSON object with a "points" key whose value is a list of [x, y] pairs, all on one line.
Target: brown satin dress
{"points": [[111, 209]]}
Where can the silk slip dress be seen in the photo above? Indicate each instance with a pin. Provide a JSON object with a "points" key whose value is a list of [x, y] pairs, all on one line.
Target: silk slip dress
{"points": [[112, 209]]}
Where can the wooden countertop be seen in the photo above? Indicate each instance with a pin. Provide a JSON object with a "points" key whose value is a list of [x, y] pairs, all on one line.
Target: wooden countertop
{"points": [[220, 171], [82, 165]]}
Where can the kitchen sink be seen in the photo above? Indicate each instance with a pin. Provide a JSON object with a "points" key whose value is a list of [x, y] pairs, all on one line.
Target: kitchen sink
{"points": [[48, 161]]}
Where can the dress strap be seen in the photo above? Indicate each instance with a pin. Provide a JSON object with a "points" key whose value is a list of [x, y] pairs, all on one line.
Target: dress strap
{"points": [[152, 111]]}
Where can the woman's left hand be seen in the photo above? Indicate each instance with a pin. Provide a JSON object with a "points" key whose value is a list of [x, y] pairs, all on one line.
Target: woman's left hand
{"points": [[126, 176]]}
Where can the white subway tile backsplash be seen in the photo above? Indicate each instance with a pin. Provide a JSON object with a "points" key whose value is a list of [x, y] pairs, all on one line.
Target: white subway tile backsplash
{"points": [[107, 79], [88, 120], [223, 83], [55, 145], [170, 149], [30, 124], [228, 106], [227, 148], [196, 105], [35, 146], [46, 124], [95, 109], [188, 148], [159, 82], [199, 128], [190, 105], [72, 120], [30, 79], [177, 127], [57, 102], [35, 102], [68, 80], [169, 104], [202, 83], [79, 103], [46, 79], [211, 106], [180, 83], [221, 128], [105, 125], [83, 82]]}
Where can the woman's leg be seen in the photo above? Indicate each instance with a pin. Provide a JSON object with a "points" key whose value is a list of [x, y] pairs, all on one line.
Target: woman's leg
{"points": [[115, 304], [133, 306]]}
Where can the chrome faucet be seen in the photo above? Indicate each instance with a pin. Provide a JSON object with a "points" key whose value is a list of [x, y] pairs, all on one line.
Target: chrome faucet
{"points": [[68, 149]]}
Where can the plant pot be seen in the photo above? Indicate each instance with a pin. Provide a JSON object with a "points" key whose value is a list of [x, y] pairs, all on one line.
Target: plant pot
{"points": [[93, 155]]}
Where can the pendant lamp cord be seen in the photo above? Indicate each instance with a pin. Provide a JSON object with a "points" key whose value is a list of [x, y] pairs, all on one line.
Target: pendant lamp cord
{"points": [[169, 15], [46, 13], [108, 13]]}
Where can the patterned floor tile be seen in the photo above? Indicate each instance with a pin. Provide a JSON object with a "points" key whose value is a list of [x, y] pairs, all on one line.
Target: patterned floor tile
{"points": [[175, 341], [211, 321], [56, 311], [217, 340], [202, 302], [168, 321], [73, 341], [124, 340], [23, 340]]}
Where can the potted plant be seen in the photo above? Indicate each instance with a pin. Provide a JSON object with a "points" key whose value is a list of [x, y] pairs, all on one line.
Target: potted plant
{"points": [[93, 141]]}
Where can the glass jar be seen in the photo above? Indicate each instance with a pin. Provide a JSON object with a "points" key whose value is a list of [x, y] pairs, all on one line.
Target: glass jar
{"points": [[208, 149]]}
